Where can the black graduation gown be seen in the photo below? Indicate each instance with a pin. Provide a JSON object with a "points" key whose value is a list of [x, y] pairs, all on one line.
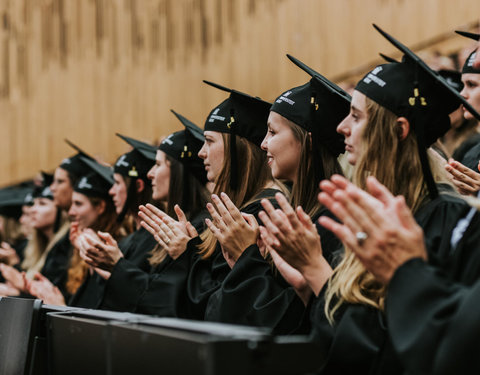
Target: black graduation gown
{"points": [[57, 263], [158, 290], [434, 322], [185, 286], [471, 158], [443, 312], [254, 293], [136, 249], [359, 341]]}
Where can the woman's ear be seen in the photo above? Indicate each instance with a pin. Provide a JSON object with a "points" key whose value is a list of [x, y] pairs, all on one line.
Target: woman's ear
{"points": [[140, 184], [403, 128], [101, 207]]}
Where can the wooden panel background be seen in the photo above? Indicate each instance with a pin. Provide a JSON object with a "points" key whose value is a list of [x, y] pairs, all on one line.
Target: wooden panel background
{"points": [[85, 69]]}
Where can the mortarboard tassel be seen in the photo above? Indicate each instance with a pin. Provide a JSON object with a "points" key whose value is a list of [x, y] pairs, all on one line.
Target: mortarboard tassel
{"points": [[233, 152], [419, 103], [317, 162]]}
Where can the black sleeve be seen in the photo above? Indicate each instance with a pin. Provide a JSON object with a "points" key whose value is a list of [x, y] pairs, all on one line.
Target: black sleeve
{"points": [[57, 263], [204, 278], [164, 292], [356, 342], [124, 287], [252, 295], [433, 322]]}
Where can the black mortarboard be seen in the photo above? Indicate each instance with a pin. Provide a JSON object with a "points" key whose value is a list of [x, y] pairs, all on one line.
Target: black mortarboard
{"points": [[73, 164], [415, 91], [453, 78], [97, 182], [466, 34], [12, 199], [47, 178], [318, 107], [137, 162], [184, 146], [468, 66], [240, 114], [388, 58]]}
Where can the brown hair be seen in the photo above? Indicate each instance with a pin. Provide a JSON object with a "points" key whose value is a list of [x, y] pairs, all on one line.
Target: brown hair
{"points": [[304, 189], [254, 173]]}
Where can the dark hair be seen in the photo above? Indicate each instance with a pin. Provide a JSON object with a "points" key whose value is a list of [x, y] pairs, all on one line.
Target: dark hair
{"points": [[134, 197], [185, 190]]}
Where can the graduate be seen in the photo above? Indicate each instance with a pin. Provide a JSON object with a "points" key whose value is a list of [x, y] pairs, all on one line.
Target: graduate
{"points": [[237, 166], [92, 209], [397, 111], [465, 173], [131, 188], [66, 175], [178, 179], [46, 220], [15, 205], [302, 146], [432, 318]]}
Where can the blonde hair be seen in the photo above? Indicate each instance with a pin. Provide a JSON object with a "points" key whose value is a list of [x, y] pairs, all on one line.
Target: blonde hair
{"points": [[39, 247], [254, 173], [396, 164]]}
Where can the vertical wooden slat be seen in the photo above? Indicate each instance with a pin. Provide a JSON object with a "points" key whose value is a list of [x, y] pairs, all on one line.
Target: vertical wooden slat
{"points": [[85, 69]]}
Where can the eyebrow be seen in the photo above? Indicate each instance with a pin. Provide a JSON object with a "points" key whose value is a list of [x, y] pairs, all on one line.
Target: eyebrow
{"points": [[356, 109]]}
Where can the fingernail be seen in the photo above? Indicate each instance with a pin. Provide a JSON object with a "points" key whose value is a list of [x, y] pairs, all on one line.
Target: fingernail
{"points": [[223, 195], [214, 196]]}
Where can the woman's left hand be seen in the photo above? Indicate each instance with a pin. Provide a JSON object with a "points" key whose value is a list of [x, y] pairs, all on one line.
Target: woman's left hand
{"points": [[42, 288], [295, 238], [234, 230], [99, 249]]}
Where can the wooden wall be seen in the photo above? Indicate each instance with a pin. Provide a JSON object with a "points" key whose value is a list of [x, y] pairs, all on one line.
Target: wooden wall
{"points": [[85, 69]]}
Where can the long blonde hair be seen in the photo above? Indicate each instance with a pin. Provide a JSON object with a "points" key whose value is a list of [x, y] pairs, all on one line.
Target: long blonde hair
{"points": [[39, 246], [396, 164], [254, 173]]}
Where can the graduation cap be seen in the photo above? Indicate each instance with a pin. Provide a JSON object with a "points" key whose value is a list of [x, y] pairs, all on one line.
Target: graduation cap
{"points": [[466, 34], [453, 78], [47, 178], [137, 162], [240, 114], [318, 107], [73, 164], [413, 90], [12, 199], [184, 146], [97, 182], [468, 66], [388, 58]]}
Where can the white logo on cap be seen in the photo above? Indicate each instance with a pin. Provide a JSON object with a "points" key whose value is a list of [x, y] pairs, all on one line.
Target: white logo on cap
{"points": [[66, 161], [46, 192], [168, 140], [83, 184], [372, 76], [214, 116], [283, 98], [121, 162], [471, 59]]}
